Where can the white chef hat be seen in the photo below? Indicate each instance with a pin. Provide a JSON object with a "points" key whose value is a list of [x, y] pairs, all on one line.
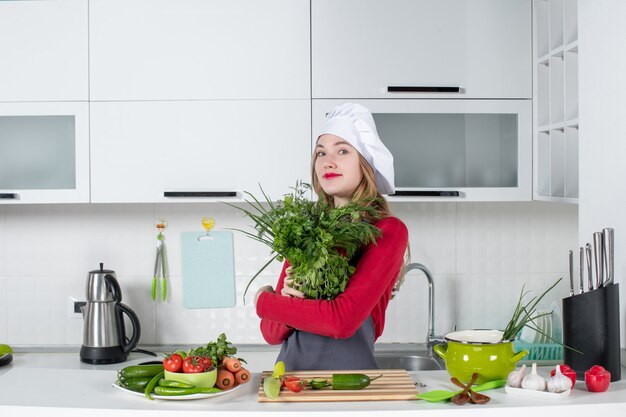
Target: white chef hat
{"points": [[355, 124]]}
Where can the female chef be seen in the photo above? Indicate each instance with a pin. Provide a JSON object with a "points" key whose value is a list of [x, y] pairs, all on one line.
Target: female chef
{"points": [[350, 162]]}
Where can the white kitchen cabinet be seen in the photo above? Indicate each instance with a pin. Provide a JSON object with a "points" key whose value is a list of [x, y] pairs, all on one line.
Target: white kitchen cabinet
{"points": [[192, 149], [199, 49], [556, 101], [360, 48], [43, 50], [44, 152], [452, 150]]}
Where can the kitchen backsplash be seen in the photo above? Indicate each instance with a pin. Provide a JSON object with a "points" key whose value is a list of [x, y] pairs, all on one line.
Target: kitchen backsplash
{"points": [[480, 255]]}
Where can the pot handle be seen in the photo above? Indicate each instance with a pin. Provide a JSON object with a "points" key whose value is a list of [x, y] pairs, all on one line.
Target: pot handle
{"points": [[441, 350], [519, 355]]}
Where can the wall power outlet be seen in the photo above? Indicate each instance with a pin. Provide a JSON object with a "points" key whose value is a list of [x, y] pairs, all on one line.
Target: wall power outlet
{"points": [[73, 308]]}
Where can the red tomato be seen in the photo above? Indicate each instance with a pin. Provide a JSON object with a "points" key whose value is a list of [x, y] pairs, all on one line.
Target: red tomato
{"points": [[294, 384], [597, 379], [568, 372], [205, 361], [192, 366], [173, 362]]}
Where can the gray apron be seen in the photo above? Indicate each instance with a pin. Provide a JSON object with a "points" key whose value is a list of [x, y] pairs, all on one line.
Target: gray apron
{"points": [[304, 351]]}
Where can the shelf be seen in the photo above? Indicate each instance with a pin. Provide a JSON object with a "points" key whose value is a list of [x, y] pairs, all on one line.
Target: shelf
{"points": [[572, 47], [556, 101], [556, 199], [543, 60], [558, 51], [558, 126]]}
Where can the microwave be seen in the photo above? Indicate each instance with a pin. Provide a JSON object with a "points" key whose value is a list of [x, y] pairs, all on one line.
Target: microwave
{"points": [[451, 150]]}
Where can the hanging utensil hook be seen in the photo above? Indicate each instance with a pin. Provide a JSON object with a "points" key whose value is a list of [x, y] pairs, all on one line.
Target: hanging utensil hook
{"points": [[160, 262]]}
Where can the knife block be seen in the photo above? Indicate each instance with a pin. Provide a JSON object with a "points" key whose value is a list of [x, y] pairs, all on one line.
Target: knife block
{"points": [[591, 325]]}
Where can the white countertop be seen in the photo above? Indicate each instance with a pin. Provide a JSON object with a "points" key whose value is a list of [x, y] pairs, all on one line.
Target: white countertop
{"points": [[64, 386]]}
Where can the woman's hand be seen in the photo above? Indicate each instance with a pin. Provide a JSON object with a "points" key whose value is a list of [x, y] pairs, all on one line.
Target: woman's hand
{"points": [[265, 288], [287, 290]]}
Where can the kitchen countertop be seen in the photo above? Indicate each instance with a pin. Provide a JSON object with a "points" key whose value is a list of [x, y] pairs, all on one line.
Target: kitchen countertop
{"points": [[64, 386]]}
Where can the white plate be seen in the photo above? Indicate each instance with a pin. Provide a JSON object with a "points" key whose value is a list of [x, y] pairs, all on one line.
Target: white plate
{"points": [[534, 394], [177, 397]]}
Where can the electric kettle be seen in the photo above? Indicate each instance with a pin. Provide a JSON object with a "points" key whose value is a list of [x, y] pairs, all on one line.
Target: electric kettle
{"points": [[104, 333]]}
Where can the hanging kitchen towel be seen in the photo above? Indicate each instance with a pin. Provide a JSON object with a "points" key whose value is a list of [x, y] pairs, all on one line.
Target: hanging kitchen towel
{"points": [[208, 269]]}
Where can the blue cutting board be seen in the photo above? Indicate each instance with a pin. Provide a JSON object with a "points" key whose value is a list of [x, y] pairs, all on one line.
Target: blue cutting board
{"points": [[208, 269]]}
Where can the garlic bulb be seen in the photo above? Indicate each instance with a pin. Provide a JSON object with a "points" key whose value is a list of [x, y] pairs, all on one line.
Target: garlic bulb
{"points": [[515, 377], [559, 382], [534, 381]]}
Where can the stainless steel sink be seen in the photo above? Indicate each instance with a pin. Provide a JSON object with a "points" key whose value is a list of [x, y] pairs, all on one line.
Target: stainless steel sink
{"points": [[410, 362]]}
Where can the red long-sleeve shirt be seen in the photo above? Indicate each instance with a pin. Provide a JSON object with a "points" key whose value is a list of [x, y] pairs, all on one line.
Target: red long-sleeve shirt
{"points": [[368, 292]]}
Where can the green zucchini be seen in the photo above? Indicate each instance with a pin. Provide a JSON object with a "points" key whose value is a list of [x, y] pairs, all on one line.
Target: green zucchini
{"points": [[140, 371], [351, 381]]}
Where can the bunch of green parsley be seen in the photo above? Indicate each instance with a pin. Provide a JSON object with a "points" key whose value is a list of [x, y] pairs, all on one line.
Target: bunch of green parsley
{"points": [[319, 241]]}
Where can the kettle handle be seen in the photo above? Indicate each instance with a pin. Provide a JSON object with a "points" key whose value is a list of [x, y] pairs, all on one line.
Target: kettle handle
{"points": [[114, 287], [124, 309]]}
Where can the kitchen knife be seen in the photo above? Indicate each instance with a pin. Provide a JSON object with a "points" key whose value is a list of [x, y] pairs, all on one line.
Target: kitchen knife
{"points": [[608, 235], [582, 270], [589, 267], [599, 258], [571, 272]]}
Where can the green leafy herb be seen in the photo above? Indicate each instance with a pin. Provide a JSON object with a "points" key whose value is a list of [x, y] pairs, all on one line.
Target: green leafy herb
{"points": [[318, 240], [216, 350]]}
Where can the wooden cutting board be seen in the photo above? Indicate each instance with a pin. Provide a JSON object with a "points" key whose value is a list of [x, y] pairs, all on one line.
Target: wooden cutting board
{"points": [[395, 384]]}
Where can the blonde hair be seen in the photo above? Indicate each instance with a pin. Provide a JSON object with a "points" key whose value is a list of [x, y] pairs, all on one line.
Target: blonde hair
{"points": [[366, 193]]}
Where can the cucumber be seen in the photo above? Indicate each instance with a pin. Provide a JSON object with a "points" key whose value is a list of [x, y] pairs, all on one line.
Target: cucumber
{"points": [[318, 383], [351, 381], [135, 384], [140, 371]]}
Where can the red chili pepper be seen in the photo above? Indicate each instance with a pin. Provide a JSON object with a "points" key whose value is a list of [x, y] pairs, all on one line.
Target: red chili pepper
{"points": [[568, 372], [597, 379]]}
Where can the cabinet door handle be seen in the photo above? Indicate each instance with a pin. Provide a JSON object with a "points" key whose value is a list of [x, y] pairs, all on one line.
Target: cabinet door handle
{"points": [[408, 193], [9, 196], [421, 89], [183, 194]]}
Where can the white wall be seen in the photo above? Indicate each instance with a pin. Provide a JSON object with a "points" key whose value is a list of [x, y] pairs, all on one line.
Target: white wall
{"points": [[602, 109], [480, 254]]}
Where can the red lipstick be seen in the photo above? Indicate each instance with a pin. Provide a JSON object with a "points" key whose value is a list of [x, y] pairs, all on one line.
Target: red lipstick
{"points": [[331, 175]]}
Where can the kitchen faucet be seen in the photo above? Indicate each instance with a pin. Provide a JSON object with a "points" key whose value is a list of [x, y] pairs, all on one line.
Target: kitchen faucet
{"points": [[431, 339]]}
